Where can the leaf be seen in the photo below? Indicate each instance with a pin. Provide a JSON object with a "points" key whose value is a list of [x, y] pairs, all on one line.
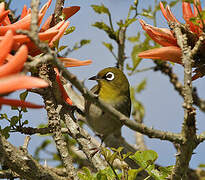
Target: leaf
{"points": [[108, 45], [86, 174], [14, 108], [69, 30], [113, 157], [134, 39], [201, 165], [25, 122], [132, 173], [129, 21], [23, 95], [189, 1], [106, 28], [118, 149], [56, 44], [61, 48], [101, 9], [5, 132], [141, 86], [144, 158], [4, 116], [14, 120], [105, 174], [84, 42]]}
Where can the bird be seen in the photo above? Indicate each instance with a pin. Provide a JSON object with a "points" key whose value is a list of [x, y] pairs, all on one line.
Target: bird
{"points": [[112, 88]]}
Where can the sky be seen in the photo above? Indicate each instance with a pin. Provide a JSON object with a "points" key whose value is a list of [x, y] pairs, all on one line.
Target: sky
{"points": [[162, 104]]}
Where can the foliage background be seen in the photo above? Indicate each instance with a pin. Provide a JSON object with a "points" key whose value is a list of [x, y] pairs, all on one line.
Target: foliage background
{"points": [[162, 104]]}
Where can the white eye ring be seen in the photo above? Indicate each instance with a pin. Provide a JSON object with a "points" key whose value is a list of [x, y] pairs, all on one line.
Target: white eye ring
{"points": [[109, 76]]}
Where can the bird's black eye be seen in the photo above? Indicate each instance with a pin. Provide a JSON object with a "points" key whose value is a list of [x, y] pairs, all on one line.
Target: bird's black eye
{"points": [[109, 76]]}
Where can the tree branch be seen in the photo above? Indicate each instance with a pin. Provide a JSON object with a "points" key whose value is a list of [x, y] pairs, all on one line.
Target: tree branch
{"points": [[189, 125], [21, 162]]}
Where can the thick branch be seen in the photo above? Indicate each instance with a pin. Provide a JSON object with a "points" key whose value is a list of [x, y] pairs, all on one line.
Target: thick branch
{"points": [[189, 125], [50, 103], [22, 163]]}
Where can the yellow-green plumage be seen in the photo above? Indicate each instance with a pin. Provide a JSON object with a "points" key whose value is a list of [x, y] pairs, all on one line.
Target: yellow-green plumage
{"points": [[113, 89]]}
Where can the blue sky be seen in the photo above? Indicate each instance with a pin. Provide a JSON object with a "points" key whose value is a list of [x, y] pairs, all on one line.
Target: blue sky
{"points": [[163, 105]]}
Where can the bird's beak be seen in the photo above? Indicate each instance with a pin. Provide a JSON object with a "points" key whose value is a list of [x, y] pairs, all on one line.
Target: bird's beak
{"points": [[93, 78]]}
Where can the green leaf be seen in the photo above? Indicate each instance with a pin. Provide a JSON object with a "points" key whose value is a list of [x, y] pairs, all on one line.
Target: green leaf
{"points": [[132, 173], [144, 158], [25, 122], [106, 174], [108, 45], [101, 9], [61, 48], [129, 21], [14, 108], [86, 174], [118, 149], [201, 165], [189, 1], [84, 42], [4, 116], [134, 39], [24, 109], [14, 120], [5, 131], [113, 157], [23, 95], [69, 30], [141, 86], [106, 28], [56, 44]]}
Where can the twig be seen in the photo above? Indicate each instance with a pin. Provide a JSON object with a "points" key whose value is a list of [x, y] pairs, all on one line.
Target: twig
{"points": [[57, 12], [26, 142], [121, 47]]}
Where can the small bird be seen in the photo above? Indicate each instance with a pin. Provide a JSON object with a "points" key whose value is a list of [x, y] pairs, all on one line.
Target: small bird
{"points": [[113, 89]]}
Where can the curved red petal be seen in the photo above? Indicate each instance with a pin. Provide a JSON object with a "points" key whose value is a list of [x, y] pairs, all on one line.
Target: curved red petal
{"points": [[5, 46], [170, 15], [46, 25], [162, 36], [197, 5], [24, 12], [71, 62], [60, 33], [169, 53], [70, 11], [16, 64], [187, 14], [4, 15], [21, 24], [164, 12], [16, 82], [64, 94]]}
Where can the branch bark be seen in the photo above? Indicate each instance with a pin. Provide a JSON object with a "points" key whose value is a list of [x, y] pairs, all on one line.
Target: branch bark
{"points": [[189, 125], [23, 164]]}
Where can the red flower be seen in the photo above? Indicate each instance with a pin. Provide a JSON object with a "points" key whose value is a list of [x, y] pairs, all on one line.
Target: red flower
{"points": [[170, 50], [24, 46], [10, 80]]}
